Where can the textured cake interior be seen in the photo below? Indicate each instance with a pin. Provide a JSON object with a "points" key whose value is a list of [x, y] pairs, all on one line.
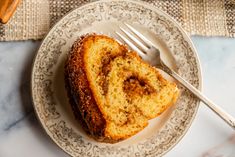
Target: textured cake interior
{"points": [[127, 90]]}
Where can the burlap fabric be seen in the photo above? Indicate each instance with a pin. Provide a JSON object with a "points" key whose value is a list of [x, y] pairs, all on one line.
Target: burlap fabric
{"points": [[34, 18]]}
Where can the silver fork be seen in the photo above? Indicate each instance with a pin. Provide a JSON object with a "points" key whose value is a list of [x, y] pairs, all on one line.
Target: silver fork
{"points": [[150, 54]]}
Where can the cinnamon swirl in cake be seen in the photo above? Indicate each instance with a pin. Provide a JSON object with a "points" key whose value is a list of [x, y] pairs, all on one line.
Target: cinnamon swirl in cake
{"points": [[112, 91]]}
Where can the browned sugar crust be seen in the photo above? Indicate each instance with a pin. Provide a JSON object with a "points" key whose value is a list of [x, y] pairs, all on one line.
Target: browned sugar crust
{"points": [[80, 94]]}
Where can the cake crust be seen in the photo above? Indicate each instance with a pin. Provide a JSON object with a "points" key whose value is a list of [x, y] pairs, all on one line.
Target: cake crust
{"points": [[80, 95]]}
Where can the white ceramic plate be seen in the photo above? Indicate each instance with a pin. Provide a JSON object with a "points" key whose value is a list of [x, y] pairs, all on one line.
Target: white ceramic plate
{"points": [[48, 91]]}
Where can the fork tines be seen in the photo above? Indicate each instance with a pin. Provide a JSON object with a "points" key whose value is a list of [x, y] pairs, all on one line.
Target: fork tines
{"points": [[137, 41]]}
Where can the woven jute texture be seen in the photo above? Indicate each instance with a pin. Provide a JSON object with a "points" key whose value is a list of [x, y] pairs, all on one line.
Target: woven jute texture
{"points": [[33, 18]]}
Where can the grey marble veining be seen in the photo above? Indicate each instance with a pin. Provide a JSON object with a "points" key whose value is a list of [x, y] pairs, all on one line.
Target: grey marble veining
{"points": [[15, 69], [19, 128]]}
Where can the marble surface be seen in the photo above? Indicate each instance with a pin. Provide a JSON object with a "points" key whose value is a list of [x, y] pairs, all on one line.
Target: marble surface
{"points": [[22, 136]]}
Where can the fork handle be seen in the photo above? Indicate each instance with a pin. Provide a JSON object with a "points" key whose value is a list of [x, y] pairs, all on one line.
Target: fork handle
{"points": [[219, 111]]}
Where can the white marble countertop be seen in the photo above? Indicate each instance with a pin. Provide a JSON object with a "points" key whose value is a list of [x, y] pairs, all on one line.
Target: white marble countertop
{"points": [[22, 136]]}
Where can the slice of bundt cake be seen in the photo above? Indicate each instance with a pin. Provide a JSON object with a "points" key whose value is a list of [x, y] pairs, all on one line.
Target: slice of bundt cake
{"points": [[112, 91]]}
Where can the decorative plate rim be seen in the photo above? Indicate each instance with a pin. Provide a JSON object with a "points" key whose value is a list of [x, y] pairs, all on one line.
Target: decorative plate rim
{"points": [[145, 5]]}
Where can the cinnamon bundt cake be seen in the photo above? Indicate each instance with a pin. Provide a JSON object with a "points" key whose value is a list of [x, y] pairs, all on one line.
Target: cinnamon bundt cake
{"points": [[112, 91]]}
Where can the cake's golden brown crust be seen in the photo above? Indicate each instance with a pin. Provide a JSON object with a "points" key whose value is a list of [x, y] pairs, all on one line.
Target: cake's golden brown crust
{"points": [[74, 107], [78, 87]]}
